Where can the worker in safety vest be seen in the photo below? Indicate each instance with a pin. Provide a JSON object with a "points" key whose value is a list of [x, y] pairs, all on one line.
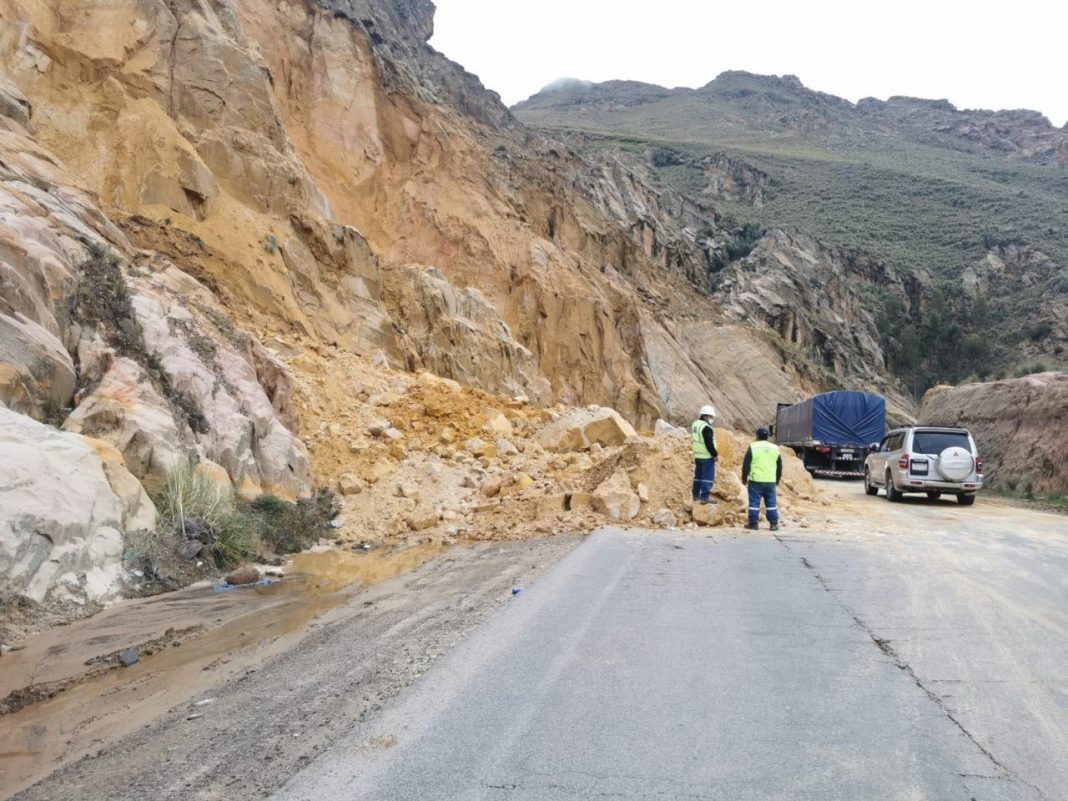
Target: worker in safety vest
{"points": [[704, 454], [761, 472]]}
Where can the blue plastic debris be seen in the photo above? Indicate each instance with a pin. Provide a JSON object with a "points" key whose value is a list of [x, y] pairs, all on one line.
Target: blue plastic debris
{"points": [[224, 587], [516, 590]]}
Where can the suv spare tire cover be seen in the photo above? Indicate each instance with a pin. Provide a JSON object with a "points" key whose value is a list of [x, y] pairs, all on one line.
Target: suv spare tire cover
{"points": [[955, 463]]}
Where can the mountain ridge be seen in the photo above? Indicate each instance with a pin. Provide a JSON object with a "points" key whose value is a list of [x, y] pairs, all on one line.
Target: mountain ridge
{"points": [[933, 191]]}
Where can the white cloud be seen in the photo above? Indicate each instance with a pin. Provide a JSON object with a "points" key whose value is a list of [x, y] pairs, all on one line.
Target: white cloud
{"points": [[977, 54]]}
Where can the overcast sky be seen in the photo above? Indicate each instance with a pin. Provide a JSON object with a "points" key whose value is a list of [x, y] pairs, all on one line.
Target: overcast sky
{"points": [[977, 54]]}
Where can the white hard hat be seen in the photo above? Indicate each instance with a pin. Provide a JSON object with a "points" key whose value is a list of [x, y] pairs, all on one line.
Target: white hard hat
{"points": [[708, 410]]}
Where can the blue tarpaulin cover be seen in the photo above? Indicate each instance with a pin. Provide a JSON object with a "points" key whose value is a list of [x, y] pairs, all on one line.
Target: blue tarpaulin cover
{"points": [[833, 418]]}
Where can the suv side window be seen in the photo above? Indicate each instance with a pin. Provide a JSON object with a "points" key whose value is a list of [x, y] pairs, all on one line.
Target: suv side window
{"points": [[896, 441], [884, 446]]}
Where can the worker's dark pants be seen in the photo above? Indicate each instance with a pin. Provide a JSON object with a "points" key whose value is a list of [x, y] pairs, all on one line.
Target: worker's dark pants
{"points": [[704, 476], [763, 491]]}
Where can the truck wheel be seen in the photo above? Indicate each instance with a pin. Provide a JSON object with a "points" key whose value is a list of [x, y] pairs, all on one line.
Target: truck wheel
{"points": [[966, 500], [869, 488], [892, 492]]}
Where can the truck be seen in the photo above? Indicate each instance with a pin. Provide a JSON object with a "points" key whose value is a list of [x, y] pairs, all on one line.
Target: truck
{"points": [[832, 432]]}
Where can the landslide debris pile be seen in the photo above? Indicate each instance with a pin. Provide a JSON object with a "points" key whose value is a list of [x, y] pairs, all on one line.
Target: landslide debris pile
{"points": [[419, 458], [1020, 427]]}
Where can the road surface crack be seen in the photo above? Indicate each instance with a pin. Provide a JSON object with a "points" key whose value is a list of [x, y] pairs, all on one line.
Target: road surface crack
{"points": [[902, 665]]}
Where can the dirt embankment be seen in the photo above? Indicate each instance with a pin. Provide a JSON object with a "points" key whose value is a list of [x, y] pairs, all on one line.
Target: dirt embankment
{"points": [[1020, 426]]}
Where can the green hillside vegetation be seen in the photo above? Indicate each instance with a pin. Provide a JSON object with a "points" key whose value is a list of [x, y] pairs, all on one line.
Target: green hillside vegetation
{"points": [[914, 183]]}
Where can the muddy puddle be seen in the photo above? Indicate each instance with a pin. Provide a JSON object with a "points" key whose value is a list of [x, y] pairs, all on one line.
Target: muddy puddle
{"points": [[70, 695]]}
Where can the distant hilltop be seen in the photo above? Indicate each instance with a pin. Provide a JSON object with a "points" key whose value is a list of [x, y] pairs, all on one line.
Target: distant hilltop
{"points": [[740, 84]]}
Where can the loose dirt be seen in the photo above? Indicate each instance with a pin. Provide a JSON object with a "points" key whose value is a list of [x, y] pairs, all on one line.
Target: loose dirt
{"points": [[66, 693], [276, 703]]}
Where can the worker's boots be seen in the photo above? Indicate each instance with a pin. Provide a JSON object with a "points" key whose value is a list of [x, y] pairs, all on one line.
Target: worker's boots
{"points": [[752, 526], [774, 526]]}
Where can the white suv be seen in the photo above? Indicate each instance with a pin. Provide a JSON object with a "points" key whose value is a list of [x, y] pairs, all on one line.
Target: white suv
{"points": [[928, 459]]}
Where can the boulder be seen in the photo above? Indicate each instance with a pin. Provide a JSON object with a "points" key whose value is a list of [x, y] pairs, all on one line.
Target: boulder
{"points": [[580, 429], [349, 484], [246, 574], [496, 424], [61, 519], [615, 499], [709, 514], [665, 518]]}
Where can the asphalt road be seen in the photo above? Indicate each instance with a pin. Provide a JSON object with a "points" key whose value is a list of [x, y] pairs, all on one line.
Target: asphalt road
{"points": [[897, 651]]}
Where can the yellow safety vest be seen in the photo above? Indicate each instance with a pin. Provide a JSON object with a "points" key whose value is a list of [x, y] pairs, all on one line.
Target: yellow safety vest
{"points": [[697, 439], [763, 462]]}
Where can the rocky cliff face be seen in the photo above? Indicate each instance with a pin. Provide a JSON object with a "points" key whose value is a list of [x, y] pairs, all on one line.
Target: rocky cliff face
{"points": [[1018, 424], [213, 216], [294, 152]]}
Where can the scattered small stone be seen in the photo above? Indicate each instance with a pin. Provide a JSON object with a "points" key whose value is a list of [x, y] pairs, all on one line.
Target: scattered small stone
{"points": [[378, 427], [195, 715], [506, 448], [204, 702]]}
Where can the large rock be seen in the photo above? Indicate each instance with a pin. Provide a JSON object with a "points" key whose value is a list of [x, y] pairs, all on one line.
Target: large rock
{"points": [[615, 499], [579, 429], [1020, 426], [66, 500], [709, 514]]}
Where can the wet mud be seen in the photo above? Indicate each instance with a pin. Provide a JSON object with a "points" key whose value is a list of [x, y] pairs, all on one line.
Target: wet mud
{"points": [[66, 692]]}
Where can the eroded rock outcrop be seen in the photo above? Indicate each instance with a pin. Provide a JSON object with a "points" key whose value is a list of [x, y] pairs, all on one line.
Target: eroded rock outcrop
{"points": [[66, 501], [458, 334], [1020, 426]]}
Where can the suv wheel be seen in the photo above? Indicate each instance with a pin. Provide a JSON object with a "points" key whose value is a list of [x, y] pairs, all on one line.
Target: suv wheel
{"points": [[892, 492], [966, 500], [869, 488], [934, 496]]}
